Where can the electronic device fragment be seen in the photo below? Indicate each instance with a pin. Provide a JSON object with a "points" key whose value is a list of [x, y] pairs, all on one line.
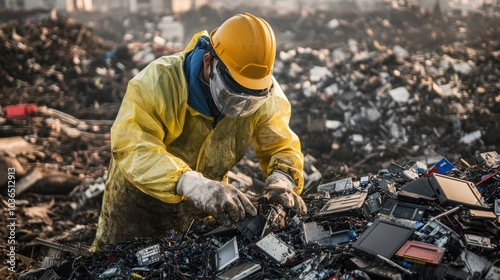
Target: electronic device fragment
{"points": [[240, 271], [252, 228], [473, 241], [419, 186], [373, 269], [455, 273], [454, 191], [417, 166], [493, 273], [442, 167], [421, 253], [386, 185], [314, 232], [482, 215], [338, 186], [353, 204], [406, 174], [383, 238], [434, 232], [50, 274], [403, 210], [414, 197], [227, 254], [317, 233], [275, 248], [148, 255], [341, 237], [373, 203], [490, 159]]}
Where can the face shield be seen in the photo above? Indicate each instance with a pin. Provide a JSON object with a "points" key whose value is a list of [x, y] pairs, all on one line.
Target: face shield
{"points": [[232, 99]]}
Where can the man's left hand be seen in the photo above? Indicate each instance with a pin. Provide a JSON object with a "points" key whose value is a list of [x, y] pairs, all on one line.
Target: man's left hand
{"points": [[279, 189]]}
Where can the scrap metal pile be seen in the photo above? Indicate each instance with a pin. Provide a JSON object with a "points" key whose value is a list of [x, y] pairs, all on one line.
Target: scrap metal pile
{"points": [[408, 221]]}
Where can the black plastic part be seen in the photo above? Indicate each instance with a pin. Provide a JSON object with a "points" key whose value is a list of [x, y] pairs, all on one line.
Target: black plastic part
{"points": [[252, 227]]}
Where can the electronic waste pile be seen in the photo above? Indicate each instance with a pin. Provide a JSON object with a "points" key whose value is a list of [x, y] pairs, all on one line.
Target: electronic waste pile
{"points": [[406, 222]]}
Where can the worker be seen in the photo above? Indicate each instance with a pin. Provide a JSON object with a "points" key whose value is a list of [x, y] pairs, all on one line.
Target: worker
{"points": [[187, 119]]}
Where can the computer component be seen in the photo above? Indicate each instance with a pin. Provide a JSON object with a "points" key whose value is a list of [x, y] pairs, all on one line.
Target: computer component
{"points": [[497, 207], [476, 264], [314, 232], [148, 255], [490, 159], [251, 227], [414, 197], [417, 166], [403, 210], [298, 268], [395, 168], [49, 274], [383, 238], [493, 273], [404, 222], [482, 215], [317, 233], [443, 166], [434, 232], [373, 203], [454, 273], [341, 237], [353, 205], [454, 191], [240, 271], [386, 185], [420, 186], [421, 253], [394, 264], [275, 248], [227, 254], [407, 174], [338, 186], [364, 180], [374, 270], [476, 241]]}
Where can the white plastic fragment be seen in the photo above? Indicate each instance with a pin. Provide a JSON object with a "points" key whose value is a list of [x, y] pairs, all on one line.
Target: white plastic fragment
{"points": [[357, 138], [318, 73], [462, 68], [400, 51], [332, 124], [400, 94], [470, 137], [334, 23]]}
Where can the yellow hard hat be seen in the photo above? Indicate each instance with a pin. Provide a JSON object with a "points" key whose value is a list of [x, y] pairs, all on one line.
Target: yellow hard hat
{"points": [[247, 47]]}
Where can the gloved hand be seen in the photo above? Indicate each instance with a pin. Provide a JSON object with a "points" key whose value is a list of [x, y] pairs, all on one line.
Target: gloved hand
{"points": [[220, 200], [279, 188]]}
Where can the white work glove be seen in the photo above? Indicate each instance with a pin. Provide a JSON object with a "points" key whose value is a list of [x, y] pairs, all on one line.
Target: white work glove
{"points": [[279, 189], [218, 199]]}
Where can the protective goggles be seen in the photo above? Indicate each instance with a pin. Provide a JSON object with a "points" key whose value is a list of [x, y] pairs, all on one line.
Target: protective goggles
{"points": [[232, 99]]}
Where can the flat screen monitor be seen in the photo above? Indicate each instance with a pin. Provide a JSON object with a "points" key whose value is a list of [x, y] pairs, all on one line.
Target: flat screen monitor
{"points": [[403, 210], [383, 238], [454, 191]]}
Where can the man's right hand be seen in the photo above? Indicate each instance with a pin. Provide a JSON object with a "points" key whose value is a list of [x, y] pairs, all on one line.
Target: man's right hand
{"points": [[221, 200]]}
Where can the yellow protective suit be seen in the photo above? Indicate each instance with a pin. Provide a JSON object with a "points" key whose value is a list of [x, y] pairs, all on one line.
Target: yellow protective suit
{"points": [[156, 137]]}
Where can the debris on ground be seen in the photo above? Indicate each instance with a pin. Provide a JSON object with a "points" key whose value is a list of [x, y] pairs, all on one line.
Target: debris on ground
{"points": [[406, 222]]}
